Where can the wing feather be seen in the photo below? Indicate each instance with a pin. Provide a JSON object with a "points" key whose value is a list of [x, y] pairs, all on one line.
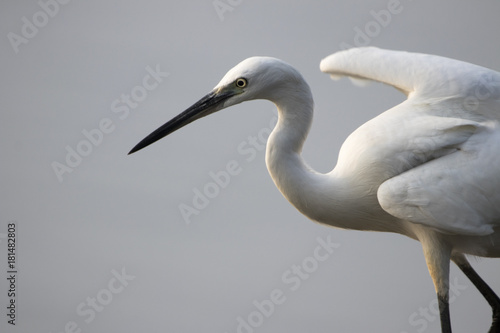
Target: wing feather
{"points": [[455, 194], [439, 151], [415, 73]]}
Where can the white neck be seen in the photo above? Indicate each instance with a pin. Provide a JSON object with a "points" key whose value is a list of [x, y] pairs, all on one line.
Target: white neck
{"points": [[333, 198], [294, 178]]}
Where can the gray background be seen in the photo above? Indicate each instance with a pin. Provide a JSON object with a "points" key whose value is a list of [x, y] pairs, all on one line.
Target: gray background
{"points": [[115, 212]]}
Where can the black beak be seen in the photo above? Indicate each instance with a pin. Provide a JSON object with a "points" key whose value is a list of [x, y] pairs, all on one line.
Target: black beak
{"points": [[205, 106]]}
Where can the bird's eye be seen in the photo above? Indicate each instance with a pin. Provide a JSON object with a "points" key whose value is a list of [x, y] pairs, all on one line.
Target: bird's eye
{"points": [[241, 83]]}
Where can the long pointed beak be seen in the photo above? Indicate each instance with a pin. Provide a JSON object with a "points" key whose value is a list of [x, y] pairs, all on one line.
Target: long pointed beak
{"points": [[205, 106]]}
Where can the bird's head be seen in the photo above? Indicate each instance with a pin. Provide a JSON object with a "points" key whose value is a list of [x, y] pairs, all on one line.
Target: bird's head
{"points": [[253, 78]]}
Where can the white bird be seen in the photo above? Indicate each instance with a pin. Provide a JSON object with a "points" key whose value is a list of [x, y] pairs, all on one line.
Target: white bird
{"points": [[428, 168]]}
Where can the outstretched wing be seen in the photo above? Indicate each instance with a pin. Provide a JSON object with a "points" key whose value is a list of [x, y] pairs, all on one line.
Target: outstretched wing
{"points": [[422, 76], [448, 164]]}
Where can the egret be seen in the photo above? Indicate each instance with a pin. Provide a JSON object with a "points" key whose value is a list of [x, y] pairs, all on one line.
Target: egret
{"points": [[428, 168]]}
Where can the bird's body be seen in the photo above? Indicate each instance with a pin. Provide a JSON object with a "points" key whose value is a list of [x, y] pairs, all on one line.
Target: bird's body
{"points": [[434, 141], [428, 168]]}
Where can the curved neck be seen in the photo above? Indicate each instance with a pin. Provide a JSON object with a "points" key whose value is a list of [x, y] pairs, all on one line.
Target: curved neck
{"points": [[299, 183], [332, 198]]}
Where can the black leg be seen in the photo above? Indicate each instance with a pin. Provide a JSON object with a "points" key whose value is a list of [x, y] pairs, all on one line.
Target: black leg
{"points": [[444, 313], [437, 255], [483, 288]]}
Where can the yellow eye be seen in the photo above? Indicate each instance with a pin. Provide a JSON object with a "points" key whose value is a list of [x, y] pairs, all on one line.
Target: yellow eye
{"points": [[241, 83]]}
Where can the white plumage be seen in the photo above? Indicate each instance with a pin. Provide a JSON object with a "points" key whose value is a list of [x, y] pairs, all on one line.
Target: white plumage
{"points": [[443, 142], [428, 168]]}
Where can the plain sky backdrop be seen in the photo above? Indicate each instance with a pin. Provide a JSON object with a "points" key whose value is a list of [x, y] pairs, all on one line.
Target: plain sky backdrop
{"points": [[101, 242]]}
